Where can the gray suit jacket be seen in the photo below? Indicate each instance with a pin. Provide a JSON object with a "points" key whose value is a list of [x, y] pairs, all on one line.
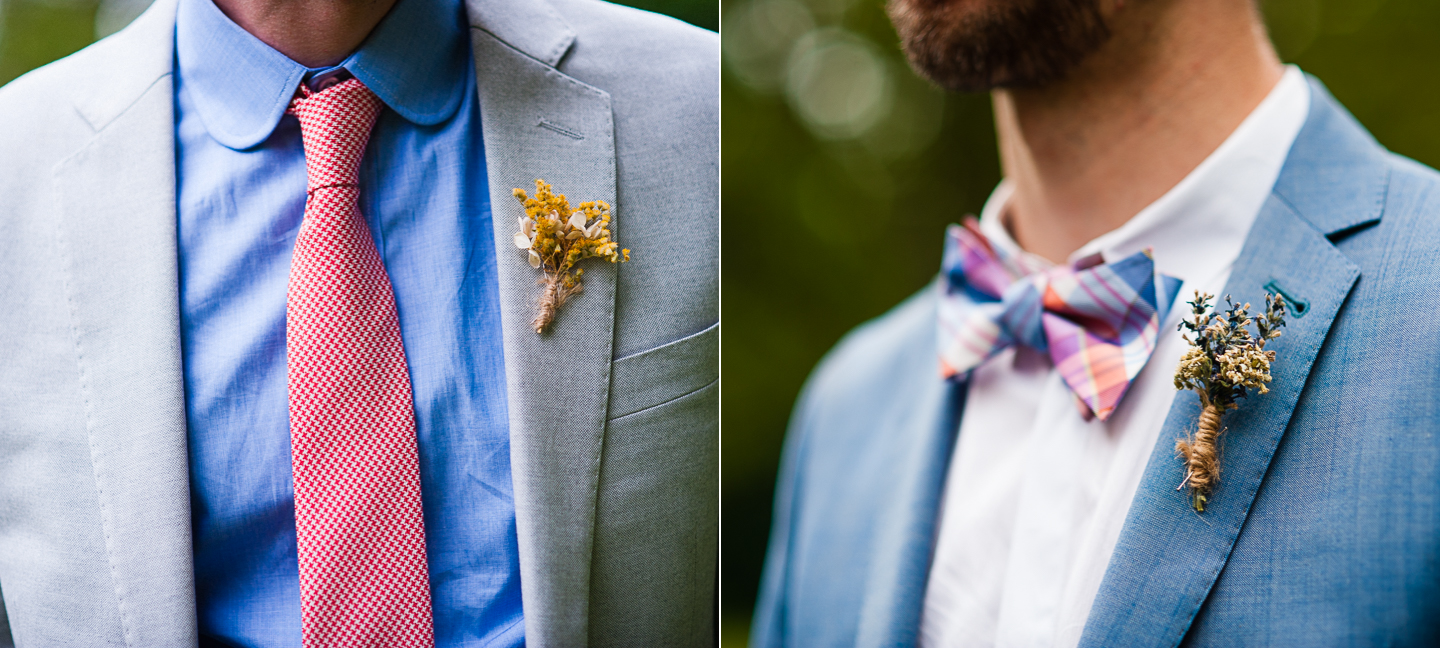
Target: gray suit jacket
{"points": [[613, 414]]}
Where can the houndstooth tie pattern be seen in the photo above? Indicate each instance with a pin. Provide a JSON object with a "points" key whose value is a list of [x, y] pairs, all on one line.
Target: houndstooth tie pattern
{"points": [[359, 527]]}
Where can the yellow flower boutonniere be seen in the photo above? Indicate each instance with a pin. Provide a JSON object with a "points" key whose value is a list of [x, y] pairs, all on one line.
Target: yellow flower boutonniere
{"points": [[557, 236]]}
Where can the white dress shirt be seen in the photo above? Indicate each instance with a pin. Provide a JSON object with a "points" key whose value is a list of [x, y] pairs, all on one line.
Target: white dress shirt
{"points": [[1036, 496]]}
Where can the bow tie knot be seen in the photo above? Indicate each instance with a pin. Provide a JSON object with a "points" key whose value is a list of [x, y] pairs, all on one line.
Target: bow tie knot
{"points": [[1098, 322]]}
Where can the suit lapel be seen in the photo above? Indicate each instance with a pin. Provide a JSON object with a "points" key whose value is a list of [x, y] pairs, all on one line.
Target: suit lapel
{"points": [[539, 123], [116, 232], [1168, 557], [907, 522], [895, 506]]}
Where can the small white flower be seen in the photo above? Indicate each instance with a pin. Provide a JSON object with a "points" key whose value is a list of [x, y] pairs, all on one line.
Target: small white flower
{"points": [[522, 241], [577, 220], [534, 259], [527, 227]]}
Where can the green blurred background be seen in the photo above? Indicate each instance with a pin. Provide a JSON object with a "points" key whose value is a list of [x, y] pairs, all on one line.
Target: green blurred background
{"points": [[36, 32], [840, 170]]}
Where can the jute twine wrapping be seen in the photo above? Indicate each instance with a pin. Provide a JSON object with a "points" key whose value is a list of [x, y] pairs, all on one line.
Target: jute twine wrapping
{"points": [[551, 299], [1202, 459]]}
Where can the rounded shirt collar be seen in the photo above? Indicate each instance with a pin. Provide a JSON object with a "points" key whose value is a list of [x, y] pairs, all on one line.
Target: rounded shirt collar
{"points": [[415, 60]]}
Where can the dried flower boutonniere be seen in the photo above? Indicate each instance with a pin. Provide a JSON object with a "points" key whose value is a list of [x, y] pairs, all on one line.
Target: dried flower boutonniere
{"points": [[1224, 362], [558, 236]]}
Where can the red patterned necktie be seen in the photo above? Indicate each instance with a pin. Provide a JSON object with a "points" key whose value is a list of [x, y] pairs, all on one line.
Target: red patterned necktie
{"points": [[359, 527]]}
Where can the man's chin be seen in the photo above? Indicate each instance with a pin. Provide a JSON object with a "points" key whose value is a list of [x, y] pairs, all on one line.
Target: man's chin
{"points": [[980, 45]]}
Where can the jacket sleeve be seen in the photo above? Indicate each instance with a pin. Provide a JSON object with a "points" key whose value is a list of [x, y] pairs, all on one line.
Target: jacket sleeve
{"points": [[767, 629]]}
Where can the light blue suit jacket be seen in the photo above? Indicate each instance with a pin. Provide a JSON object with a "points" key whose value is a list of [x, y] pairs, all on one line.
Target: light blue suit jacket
{"points": [[1326, 528]]}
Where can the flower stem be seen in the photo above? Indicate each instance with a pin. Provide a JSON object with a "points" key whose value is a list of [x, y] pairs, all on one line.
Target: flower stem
{"points": [[1200, 454], [549, 303]]}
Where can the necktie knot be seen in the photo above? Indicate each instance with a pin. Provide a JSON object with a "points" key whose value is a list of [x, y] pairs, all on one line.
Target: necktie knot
{"points": [[1097, 321], [335, 126]]}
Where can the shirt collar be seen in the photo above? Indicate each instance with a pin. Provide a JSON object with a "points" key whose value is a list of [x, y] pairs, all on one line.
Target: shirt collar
{"points": [[1198, 227], [416, 62]]}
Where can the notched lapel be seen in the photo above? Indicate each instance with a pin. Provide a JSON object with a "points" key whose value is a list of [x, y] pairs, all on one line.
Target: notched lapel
{"points": [[539, 123], [1168, 556], [116, 230], [532, 27]]}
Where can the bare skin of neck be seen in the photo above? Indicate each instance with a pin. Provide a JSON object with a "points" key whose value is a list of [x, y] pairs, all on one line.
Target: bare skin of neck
{"points": [[313, 33], [1132, 120]]}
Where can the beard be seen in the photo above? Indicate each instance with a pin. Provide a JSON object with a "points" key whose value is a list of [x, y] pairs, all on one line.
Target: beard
{"points": [[1019, 44]]}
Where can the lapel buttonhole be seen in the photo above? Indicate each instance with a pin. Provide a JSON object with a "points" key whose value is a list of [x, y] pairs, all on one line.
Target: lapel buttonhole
{"points": [[552, 126], [1298, 306]]}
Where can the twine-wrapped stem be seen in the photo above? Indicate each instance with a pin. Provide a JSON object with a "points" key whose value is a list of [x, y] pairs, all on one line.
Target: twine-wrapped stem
{"points": [[552, 297], [1202, 461]]}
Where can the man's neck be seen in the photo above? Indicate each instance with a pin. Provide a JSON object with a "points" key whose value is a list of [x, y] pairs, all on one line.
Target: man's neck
{"points": [[1088, 153], [313, 33]]}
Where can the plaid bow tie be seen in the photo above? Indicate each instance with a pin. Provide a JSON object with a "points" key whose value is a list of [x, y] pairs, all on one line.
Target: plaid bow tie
{"points": [[1098, 321]]}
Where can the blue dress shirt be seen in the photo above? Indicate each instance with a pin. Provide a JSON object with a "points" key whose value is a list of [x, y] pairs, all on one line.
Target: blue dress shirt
{"points": [[241, 198]]}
